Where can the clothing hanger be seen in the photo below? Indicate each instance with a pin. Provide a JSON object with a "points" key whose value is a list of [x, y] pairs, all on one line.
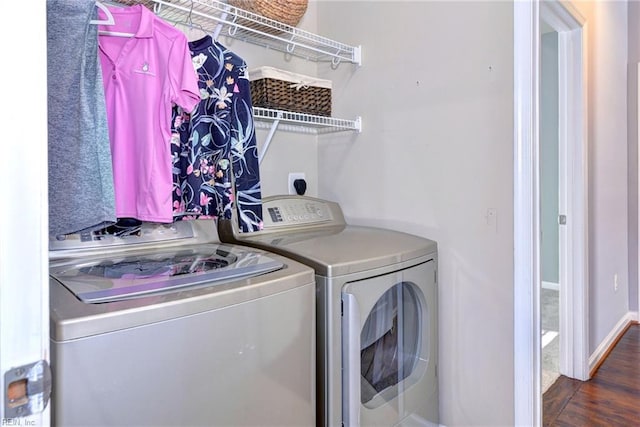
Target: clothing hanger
{"points": [[221, 22], [189, 21], [107, 12], [108, 21], [218, 29]]}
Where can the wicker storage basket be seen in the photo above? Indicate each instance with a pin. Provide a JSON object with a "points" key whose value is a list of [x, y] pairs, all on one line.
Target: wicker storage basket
{"points": [[288, 12], [283, 90]]}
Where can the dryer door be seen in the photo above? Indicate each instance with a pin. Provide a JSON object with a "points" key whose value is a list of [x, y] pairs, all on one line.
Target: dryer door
{"points": [[389, 348]]}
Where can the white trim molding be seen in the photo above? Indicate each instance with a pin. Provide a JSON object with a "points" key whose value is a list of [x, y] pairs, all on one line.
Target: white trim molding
{"points": [[527, 344], [551, 286], [600, 353], [638, 136], [24, 229], [574, 280]]}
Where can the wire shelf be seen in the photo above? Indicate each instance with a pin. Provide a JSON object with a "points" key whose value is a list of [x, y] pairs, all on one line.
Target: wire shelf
{"points": [[304, 123], [222, 19]]}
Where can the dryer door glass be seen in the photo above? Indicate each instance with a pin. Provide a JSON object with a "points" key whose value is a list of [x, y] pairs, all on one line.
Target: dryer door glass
{"points": [[390, 341]]}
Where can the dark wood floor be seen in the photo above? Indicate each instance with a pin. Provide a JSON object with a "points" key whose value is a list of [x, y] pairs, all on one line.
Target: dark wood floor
{"points": [[610, 398]]}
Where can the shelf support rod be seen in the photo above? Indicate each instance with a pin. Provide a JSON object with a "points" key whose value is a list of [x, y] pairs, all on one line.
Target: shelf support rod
{"points": [[267, 142]]}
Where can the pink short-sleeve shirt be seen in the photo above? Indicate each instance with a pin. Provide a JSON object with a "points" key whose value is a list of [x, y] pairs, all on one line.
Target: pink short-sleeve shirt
{"points": [[143, 76]]}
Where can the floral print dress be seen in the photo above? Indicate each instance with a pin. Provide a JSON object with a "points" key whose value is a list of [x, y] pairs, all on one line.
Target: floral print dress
{"points": [[214, 148]]}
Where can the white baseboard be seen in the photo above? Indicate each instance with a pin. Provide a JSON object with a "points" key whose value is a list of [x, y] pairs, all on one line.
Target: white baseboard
{"points": [[550, 285], [597, 356], [635, 316]]}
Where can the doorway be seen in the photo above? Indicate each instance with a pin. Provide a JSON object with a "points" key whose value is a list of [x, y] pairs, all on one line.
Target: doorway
{"points": [[549, 206], [563, 18], [568, 24]]}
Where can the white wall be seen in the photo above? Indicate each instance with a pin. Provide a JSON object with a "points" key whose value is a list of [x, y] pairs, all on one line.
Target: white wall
{"points": [[607, 139], [436, 95], [549, 160]]}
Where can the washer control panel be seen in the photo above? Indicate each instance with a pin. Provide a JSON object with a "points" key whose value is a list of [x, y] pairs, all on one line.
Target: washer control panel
{"points": [[123, 235], [291, 212]]}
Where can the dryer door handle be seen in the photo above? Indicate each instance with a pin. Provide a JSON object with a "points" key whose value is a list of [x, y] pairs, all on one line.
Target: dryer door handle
{"points": [[350, 360]]}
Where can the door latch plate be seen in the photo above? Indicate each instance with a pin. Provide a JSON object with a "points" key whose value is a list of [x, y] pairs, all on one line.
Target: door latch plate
{"points": [[28, 389]]}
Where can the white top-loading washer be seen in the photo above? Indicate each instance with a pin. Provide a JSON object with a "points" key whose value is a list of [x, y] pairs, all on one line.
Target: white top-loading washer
{"points": [[164, 325], [377, 311]]}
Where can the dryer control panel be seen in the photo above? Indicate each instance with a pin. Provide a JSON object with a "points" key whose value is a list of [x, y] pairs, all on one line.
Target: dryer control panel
{"points": [[296, 211], [292, 211]]}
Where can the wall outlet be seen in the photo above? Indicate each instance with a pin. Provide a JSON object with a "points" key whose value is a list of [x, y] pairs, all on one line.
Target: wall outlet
{"points": [[615, 282], [292, 177]]}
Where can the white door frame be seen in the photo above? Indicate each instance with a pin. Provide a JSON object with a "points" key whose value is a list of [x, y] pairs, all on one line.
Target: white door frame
{"points": [[526, 220], [571, 27], [638, 140], [24, 284]]}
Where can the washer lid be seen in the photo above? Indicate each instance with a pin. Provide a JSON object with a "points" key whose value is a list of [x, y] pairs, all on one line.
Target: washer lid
{"points": [[131, 275]]}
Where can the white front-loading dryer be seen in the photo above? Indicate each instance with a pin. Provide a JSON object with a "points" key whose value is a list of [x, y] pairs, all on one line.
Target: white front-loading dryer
{"points": [[377, 311], [165, 325]]}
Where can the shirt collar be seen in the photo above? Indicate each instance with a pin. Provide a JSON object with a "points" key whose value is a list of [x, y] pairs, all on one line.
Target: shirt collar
{"points": [[147, 18]]}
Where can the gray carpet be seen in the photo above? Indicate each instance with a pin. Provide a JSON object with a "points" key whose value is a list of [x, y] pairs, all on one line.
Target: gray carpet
{"points": [[550, 317], [550, 309]]}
